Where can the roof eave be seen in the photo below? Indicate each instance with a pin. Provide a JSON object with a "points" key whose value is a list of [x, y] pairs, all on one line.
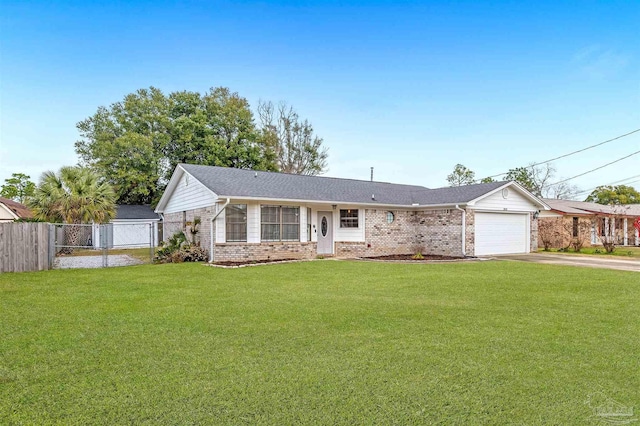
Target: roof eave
{"points": [[351, 203]]}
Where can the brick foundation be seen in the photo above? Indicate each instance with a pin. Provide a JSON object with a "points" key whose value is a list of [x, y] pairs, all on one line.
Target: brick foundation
{"points": [[239, 252]]}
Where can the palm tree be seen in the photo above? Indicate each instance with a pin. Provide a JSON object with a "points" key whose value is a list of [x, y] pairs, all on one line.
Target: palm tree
{"points": [[74, 195]]}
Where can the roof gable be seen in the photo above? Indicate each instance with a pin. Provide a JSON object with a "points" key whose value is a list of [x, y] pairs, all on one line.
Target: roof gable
{"points": [[521, 190]]}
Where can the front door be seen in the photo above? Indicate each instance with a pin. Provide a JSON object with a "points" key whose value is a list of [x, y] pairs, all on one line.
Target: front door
{"points": [[325, 233]]}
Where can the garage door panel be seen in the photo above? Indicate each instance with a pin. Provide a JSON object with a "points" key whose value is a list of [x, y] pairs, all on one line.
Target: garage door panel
{"points": [[500, 233]]}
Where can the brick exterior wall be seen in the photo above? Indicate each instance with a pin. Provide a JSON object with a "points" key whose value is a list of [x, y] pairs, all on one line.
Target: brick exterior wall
{"points": [[559, 231], [436, 232], [440, 232], [470, 243], [428, 232], [398, 237], [239, 252], [173, 222], [533, 240]]}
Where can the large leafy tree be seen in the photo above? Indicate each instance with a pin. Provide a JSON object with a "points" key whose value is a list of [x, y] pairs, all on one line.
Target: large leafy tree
{"points": [[461, 176], [74, 195], [618, 195], [296, 147], [18, 187], [136, 143]]}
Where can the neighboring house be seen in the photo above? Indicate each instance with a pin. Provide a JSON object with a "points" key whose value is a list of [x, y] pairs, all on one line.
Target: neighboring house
{"points": [[255, 215], [569, 219], [12, 210], [134, 226]]}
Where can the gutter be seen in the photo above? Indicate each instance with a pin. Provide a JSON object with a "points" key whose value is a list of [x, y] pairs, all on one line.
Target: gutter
{"points": [[211, 243], [345, 203], [464, 230]]}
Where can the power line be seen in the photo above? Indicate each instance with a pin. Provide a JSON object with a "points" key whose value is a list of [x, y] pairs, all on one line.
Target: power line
{"points": [[575, 152], [621, 182], [597, 168]]}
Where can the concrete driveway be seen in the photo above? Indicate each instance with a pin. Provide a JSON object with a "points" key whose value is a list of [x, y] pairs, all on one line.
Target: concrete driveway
{"points": [[575, 260]]}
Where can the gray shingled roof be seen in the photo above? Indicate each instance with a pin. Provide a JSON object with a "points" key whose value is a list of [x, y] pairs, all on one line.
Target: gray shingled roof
{"points": [[230, 182], [135, 211]]}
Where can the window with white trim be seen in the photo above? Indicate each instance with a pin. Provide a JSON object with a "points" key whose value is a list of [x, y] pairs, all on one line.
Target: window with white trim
{"points": [[236, 222], [349, 218], [279, 223]]}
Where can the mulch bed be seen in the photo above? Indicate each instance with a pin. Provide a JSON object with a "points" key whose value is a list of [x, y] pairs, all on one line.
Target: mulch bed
{"points": [[391, 258], [250, 263], [409, 257]]}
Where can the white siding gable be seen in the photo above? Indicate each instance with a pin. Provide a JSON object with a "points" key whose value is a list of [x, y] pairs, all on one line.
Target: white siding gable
{"points": [[5, 214], [514, 202], [189, 194]]}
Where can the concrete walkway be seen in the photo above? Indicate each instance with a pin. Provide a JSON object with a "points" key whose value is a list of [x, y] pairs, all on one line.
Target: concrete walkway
{"points": [[576, 260]]}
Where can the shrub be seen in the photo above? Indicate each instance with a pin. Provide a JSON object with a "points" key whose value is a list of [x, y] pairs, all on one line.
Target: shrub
{"points": [[417, 256], [609, 246], [177, 250], [577, 244], [192, 253]]}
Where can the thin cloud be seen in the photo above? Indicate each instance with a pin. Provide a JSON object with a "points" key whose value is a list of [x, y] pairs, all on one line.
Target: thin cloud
{"points": [[598, 62]]}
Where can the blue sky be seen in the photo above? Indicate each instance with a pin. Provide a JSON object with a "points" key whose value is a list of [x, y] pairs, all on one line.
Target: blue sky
{"points": [[410, 88]]}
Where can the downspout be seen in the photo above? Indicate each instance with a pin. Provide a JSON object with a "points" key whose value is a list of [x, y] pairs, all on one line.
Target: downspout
{"points": [[161, 217], [464, 230], [211, 244]]}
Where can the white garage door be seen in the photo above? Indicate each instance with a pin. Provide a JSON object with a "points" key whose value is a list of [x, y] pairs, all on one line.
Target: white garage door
{"points": [[501, 233]]}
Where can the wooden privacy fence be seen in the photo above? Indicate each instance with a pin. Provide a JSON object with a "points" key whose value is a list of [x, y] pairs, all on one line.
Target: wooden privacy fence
{"points": [[24, 247]]}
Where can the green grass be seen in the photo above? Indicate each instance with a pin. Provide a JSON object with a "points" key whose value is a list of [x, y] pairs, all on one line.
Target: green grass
{"points": [[325, 342], [633, 252]]}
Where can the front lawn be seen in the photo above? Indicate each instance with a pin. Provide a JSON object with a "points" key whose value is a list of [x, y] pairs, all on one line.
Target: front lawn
{"points": [[324, 342]]}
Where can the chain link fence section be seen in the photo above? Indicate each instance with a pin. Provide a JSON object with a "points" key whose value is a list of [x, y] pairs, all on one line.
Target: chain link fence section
{"points": [[103, 245]]}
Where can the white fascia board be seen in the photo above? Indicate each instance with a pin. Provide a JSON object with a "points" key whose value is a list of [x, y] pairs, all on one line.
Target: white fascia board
{"points": [[171, 186], [344, 203], [519, 188]]}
